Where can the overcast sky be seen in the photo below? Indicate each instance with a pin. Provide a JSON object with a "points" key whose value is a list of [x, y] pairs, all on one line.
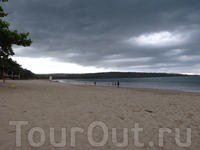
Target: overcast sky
{"points": [[76, 36]]}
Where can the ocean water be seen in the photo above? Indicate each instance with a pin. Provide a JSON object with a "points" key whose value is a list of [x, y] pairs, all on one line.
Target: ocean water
{"points": [[187, 83]]}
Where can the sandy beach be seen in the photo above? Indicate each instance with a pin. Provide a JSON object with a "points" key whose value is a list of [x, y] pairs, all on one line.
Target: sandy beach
{"points": [[95, 117]]}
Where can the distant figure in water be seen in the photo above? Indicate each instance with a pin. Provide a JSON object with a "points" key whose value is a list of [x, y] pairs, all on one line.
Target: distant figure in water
{"points": [[95, 83], [117, 83], [50, 78]]}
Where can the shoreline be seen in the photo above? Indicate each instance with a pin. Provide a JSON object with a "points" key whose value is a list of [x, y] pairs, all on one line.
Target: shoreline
{"points": [[45, 105], [145, 89]]}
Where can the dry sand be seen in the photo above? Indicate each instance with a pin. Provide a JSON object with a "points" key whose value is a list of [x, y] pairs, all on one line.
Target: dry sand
{"points": [[44, 105]]}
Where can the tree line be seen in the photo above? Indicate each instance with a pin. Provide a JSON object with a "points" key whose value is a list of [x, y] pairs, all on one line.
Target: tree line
{"points": [[108, 75], [13, 70]]}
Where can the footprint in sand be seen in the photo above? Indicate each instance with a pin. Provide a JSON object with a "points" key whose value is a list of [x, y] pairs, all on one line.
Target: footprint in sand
{"points": [[11, 131]]}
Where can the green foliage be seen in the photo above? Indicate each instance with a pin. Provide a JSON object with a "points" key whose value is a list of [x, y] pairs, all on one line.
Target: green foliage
{"points": [[2, 13], [8, 37]]}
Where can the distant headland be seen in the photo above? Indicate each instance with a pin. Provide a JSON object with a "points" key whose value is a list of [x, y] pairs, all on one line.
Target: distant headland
{"points": [[109, 75]]}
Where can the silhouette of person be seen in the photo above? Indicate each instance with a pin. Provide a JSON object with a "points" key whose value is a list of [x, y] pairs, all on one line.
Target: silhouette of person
{"points": [[117, 83], [50, 78]]}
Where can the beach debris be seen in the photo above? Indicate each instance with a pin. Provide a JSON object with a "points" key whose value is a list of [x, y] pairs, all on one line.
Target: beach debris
{"points": [[121, 117], [149, 111], [13, 86]]}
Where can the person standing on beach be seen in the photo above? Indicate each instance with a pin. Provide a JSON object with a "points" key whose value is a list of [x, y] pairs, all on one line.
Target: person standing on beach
{"points": [[117, 83], [50, 78]]}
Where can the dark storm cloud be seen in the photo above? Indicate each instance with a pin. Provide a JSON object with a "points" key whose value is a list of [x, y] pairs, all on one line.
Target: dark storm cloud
{"points": [[124, 35]]}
